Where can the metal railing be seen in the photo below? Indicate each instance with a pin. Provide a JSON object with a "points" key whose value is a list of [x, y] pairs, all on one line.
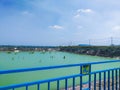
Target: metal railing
{"points": [[108, 79]]}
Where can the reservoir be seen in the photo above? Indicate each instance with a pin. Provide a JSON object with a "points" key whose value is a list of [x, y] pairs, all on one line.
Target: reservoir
{"points": [[16, 60]]}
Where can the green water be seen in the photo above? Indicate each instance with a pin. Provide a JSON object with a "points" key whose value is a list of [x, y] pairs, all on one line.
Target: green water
{"points": [[38, 59]]}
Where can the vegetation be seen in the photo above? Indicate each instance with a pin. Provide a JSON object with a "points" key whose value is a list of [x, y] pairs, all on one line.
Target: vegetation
{"points": [[27, 48], [106, 51]]}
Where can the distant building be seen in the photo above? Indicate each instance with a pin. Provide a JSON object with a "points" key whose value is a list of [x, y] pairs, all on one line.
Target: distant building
{"points": [[84, 45], [16, 51]]}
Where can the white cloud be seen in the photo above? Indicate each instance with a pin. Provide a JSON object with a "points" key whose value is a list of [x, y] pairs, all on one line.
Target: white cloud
{"points": [[79, 12], [77, 16], [116, 28], [26, 13], [57, 27], [85, 11]]}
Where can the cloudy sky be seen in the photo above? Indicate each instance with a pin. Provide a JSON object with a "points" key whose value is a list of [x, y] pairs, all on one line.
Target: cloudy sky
{"points": [[57, 22]]}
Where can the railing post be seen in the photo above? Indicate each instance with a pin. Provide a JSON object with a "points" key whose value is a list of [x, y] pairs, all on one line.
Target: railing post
{"points": [[66, 84], [104, 80], [100, 81], [80, 78], [85, 70], [48, 85], [26, 87], [95, 81], [90, 78], [58, 85], [73, 83], [108, 80], [112, 79], [119, 78], [38, 86], [116, 79]]}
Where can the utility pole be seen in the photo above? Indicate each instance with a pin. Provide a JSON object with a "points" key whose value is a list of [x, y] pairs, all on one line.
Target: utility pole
{"points": [[89, 42], [70, 43], [111, 41]]}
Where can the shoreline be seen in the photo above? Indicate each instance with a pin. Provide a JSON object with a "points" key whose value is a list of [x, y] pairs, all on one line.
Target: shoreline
{"points": [[102, 51]]}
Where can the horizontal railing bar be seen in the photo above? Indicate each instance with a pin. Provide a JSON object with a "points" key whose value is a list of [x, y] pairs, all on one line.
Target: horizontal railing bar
{"points": [[104, 70], [39, 82], [52, 67], [51, 80]]}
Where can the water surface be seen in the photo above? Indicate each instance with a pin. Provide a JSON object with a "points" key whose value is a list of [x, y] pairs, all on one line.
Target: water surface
{"points": [[12, 60]]}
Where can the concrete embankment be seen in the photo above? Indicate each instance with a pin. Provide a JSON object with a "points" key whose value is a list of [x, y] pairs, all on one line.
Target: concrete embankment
{"points": [[104, 51]]}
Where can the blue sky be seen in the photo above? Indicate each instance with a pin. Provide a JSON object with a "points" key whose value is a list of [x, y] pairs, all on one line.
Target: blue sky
{"points": [[57, 22]]}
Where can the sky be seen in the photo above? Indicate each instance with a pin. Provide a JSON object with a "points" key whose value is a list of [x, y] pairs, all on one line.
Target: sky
{"points": [[58, 22]]}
